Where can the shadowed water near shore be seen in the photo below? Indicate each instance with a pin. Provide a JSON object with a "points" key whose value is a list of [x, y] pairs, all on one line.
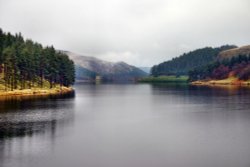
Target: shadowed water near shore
{"points": [[18, 116], [120, 125]]}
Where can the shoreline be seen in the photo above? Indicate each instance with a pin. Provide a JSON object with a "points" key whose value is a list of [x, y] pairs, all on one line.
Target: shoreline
{"points": [[37, 92], [224, 82]]}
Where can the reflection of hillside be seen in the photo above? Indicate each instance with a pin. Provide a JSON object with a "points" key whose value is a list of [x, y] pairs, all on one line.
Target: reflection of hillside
{"points": [[223, 98], [200, 90]]}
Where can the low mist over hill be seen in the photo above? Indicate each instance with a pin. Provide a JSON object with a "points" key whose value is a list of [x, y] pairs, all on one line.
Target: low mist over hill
{"points": [[87, 68]]}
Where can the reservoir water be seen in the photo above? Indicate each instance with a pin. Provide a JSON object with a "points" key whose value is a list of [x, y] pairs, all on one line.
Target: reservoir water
{"points": [[128, 125]]}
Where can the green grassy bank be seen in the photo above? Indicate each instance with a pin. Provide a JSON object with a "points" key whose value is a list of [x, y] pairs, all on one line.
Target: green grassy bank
{"points": [[165, 79]]}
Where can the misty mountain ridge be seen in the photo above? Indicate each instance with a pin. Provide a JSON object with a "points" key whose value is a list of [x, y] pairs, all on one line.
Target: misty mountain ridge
{"points": [[87, 68]]}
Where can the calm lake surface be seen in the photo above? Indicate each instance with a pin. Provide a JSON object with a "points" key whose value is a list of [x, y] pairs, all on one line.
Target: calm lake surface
{"points": [[128, 125]]}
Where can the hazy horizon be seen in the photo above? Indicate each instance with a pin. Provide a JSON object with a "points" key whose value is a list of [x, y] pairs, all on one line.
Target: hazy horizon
{"points": [[141, 33]]}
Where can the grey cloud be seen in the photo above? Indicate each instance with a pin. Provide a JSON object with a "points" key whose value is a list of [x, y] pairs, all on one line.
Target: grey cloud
{"points": [[142, 32]]}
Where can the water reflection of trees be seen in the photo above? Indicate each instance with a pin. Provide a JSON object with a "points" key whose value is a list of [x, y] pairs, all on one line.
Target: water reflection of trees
{"points": [[9, 130], [21, 116], [223, 98], [14, 103], [19, 122], [18, 138], [216, 90]]}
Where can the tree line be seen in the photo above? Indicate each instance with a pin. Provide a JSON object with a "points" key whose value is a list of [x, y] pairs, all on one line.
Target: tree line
{"points": [[188, 61], [24, 63]]}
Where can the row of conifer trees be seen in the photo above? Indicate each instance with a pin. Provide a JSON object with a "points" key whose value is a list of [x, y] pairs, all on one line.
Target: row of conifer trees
{"points": [[24, 63]]}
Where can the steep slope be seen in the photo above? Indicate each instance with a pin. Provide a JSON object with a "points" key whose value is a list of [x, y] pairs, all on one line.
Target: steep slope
{"points": [[89, 67], [188, 61]]}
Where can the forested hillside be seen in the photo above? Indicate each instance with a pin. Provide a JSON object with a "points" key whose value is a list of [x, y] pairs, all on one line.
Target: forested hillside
{"points": [[188, 61], [234, 63], [25, 64]]}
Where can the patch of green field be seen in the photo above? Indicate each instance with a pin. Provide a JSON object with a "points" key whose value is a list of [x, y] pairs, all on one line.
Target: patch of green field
{"points": [[166, 79]]}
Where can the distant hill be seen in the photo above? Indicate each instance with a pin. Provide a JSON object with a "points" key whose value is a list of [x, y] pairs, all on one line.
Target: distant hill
{"points": [[188, 61], [87, 68]]}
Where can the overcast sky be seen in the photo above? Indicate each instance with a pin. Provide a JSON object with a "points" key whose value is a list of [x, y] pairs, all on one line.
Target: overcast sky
{"points": [[139, 32]]}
